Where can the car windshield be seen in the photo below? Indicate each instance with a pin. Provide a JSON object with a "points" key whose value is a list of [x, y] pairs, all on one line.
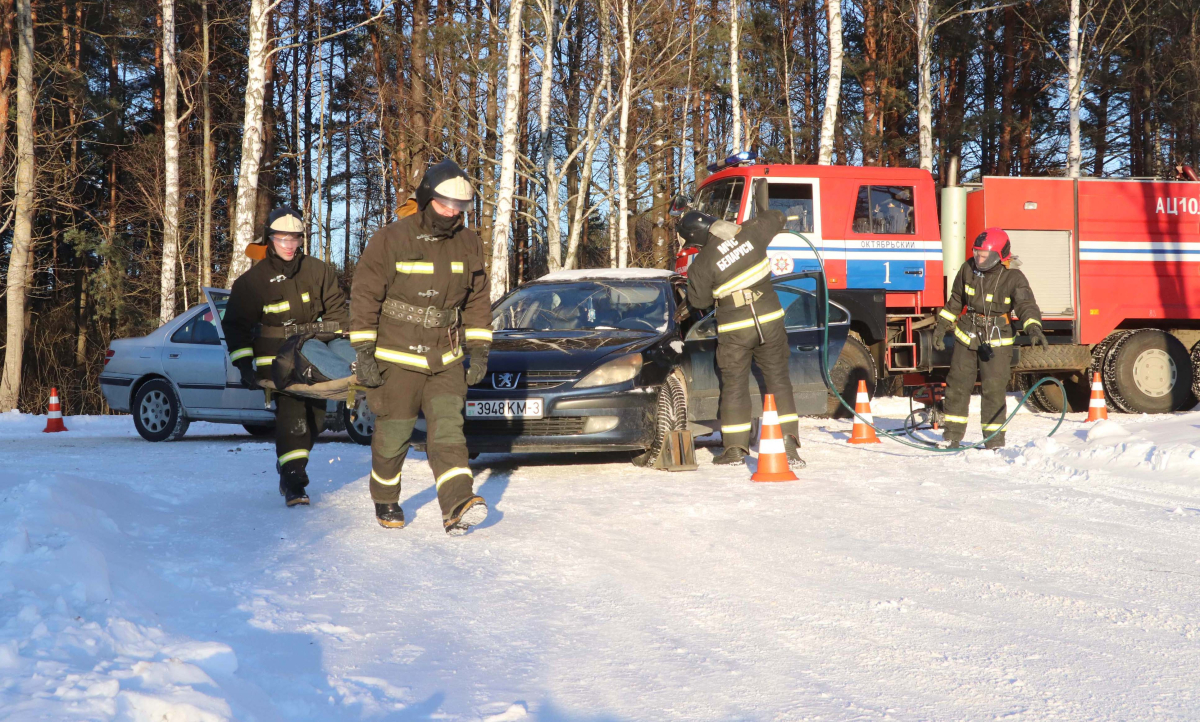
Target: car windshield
{"points": [[584, 305]]}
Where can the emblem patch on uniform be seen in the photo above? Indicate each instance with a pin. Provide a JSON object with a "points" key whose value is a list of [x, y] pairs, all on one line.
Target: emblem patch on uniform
{"points": [[782, 264], [506, 380], [418, 348], [428, 294], [426, 237], [279, 279]]}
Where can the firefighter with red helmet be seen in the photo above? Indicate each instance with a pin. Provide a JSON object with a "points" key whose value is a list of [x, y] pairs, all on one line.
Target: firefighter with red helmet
{"points": [[986, 293]]}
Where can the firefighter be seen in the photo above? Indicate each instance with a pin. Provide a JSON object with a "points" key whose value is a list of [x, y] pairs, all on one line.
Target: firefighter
{"points": [[420, 304], [284, 293], [732, 270], [992, 292]]}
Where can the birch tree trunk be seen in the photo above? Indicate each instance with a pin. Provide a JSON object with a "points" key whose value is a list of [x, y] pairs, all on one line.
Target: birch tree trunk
{"points": [[829, 117], [252, 139], [18, 260], [551, 179], [623, 139], [206, 160], [508, 154], [924, 83], [1075, 92], [592, 141], [734, 33], [170, 255]]}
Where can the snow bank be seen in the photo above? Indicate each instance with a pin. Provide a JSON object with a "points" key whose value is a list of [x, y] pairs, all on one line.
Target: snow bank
{"points": [[77, 641]]}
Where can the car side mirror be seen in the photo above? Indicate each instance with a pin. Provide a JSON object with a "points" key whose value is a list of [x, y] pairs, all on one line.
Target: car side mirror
{"points": [[679, 205]]}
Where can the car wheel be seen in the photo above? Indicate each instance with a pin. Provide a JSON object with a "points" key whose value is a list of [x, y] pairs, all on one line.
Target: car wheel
{"points": [[259, 429], [359, 420], [855, 363], [157, 413], [670, 414], [1148, 371]]}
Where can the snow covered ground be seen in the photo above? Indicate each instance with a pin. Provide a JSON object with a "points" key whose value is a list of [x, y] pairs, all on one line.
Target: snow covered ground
{"points": [[1056, 579]]}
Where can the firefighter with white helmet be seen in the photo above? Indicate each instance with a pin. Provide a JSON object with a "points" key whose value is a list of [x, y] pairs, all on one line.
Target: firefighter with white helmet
{"points": [[419, 306], [985, 294], [284, 294], [732, 272]]}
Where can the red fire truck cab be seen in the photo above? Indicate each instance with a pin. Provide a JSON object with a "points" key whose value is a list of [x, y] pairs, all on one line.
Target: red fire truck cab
{"points": [[1114, 264]]}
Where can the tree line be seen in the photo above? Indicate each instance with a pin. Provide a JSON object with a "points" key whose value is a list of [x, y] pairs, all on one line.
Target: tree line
{"points": [[149, 140]]}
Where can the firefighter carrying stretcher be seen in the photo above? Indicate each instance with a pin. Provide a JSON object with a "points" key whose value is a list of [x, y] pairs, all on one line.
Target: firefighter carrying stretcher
{"points": [[991, 292], [420, 303], [732, 270]]}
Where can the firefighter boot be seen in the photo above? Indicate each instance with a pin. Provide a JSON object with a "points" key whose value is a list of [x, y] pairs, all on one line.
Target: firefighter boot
{"points": [[731, 455], [390, 516], [292, 480], [996, 442], [792, 447], [466, 515]]}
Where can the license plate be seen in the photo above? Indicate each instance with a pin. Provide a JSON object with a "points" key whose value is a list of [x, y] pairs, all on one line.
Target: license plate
{"points": [[505, 409]]}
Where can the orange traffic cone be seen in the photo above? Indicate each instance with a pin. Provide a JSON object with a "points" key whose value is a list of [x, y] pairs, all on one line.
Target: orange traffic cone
{"points": [[54, 420], [863, 434], [1096, 408], [772, 457]]}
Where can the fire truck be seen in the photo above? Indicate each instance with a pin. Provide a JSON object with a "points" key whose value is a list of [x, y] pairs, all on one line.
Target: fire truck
{"points": [[1114, 264]]}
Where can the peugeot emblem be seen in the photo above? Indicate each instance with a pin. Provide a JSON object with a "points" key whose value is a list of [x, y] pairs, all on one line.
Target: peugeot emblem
{"points": [[505, 380]]}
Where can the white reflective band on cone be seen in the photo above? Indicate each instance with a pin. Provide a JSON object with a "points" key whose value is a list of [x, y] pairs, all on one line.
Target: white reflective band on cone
{"points": [[867, 416], [1097, 386], [862, 398], [1096, 403], [770, 417], [770, 446], [54, 414]]}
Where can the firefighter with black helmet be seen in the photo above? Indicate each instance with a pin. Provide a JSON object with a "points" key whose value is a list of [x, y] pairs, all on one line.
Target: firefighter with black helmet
{"points": [[732, 271], [284, 293], [420, 304], [986, 293]]}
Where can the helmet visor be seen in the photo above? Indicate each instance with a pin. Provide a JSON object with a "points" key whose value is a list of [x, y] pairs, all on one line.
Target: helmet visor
{"points": [[460, 205], [985, 259]]}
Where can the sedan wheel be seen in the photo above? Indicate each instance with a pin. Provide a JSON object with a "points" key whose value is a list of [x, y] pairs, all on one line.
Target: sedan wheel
{"points": [[359, 420], [670, 415], [157, 413]]}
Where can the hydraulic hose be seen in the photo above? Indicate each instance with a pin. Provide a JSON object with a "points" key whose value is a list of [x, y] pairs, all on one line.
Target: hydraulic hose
{"points": [[916, 443]]}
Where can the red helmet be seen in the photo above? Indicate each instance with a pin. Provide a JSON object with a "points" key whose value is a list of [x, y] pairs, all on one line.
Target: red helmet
{"points": [[996, 242]]}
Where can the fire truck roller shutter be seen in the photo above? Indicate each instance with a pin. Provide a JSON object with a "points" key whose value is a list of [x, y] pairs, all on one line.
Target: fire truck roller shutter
{"points": [[1047, 261]]}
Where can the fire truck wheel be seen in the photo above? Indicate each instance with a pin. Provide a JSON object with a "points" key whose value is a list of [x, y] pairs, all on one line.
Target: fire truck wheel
{"points": [[1023, 383], [1079, 393], [1148, 371], [854, 363], [1099, 356]]}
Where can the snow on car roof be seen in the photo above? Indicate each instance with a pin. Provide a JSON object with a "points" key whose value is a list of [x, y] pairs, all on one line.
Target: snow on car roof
{"points": [[608, 274]]}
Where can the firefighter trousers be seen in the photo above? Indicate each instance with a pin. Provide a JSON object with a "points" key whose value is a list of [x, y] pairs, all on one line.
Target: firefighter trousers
{"points": [[297, 423], [396, 404], [994, 374], [735, 352]]}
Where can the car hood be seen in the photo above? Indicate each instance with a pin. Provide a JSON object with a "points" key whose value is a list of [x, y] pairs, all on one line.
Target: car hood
{"points": [[561, 350]]}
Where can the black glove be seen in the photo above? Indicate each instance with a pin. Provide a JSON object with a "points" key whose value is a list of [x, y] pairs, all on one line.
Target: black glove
{"points": [[478, 356], [366, 368], [246, 367], [1036, 335], [939, 337]]}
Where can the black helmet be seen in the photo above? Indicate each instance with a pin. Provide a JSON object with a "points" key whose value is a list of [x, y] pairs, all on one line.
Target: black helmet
{"points": [[693, 228], [447, 183]]}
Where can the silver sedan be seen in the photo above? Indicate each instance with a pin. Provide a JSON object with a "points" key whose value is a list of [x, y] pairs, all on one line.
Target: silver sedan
{"points": [[181, 373]]}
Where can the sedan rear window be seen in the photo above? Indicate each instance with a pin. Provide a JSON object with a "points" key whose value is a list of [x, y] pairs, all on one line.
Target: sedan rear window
{"points": [[585, 305]]}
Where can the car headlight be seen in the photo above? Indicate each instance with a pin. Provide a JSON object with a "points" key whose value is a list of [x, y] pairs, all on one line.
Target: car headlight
{"points": [[613, 372]]}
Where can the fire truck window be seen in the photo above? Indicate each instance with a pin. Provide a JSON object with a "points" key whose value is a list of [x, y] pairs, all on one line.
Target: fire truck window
{"points": [[885, 209], [795, 201], [721, 199]]}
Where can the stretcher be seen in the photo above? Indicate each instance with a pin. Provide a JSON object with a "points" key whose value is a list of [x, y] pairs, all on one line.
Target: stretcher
{"points": [[335, 390]]}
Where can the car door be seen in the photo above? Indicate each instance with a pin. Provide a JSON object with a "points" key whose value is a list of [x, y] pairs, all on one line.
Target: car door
{"points": [[700, 369], [193, 358], [235, 396], [802, 298]]}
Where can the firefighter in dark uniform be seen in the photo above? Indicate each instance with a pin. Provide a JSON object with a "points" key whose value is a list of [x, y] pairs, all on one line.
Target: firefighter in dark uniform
{"points": [[991, 291], [285, 293], [732, 270], [420, 304]]}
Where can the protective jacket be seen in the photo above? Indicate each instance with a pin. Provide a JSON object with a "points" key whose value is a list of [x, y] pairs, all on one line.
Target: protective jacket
{"points": [[733, 271], [276, 297], [981, 303], [421, 293]]}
